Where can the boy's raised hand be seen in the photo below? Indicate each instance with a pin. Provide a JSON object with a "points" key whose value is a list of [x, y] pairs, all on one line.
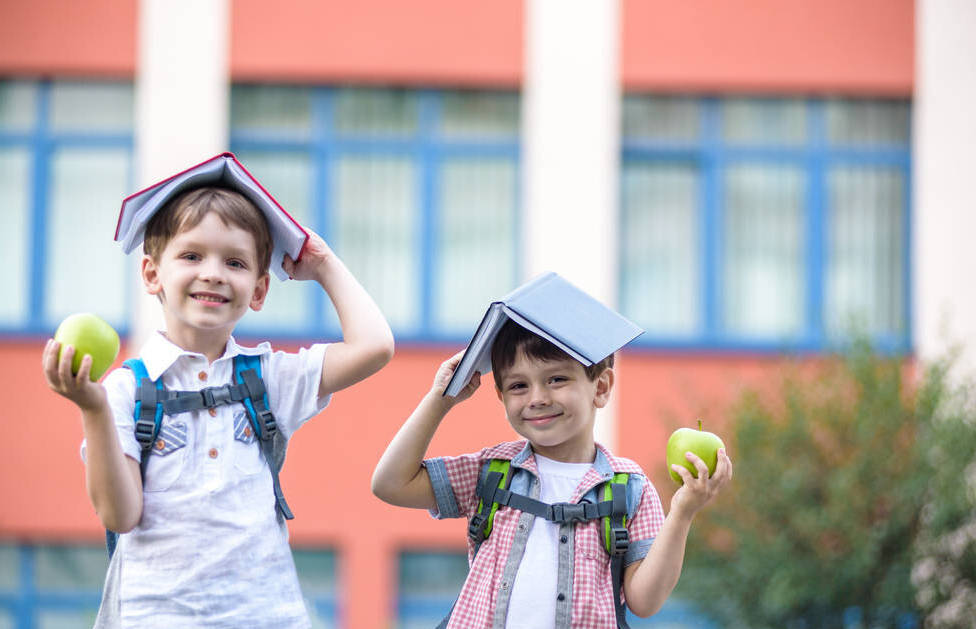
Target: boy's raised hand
{"points": [[314, 254], [443, 377], [695, 493], [78, 388]]}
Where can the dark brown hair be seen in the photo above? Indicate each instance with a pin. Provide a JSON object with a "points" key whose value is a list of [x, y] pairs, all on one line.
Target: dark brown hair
{"points": [[513, 338], [187, 210]]}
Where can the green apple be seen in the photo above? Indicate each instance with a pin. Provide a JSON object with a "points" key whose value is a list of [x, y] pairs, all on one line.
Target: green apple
{"points": [[89, 334], [704, 444]]}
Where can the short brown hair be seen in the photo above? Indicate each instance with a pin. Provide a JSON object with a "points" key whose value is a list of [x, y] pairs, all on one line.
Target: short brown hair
{"points": [[513, 338], [187, 210]]}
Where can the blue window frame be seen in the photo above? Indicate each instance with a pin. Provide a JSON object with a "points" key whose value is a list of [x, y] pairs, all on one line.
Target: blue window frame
{"points": [[416, 190], [65, 164], [61, 586], [765, 224]]}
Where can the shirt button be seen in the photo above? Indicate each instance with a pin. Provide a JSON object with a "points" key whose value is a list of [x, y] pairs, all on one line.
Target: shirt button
{"points": [[212, 411], [247, 431], [504, 585], [561, 597], [202, 375], [213, 453], [160, 444], [563, 539], [521, 527]]}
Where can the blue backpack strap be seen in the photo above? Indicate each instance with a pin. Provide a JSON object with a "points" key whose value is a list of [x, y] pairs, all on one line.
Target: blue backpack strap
{"points": [[148, 416], [247, 371]]}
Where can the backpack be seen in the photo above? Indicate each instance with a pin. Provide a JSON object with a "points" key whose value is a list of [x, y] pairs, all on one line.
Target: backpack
{"points": [[153, 401], [493, 492]]}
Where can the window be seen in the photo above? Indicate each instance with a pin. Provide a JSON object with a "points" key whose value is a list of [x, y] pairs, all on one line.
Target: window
{"points": [[765, 223], [65, 165], [428, 585], [417, 191], [317, 577]]}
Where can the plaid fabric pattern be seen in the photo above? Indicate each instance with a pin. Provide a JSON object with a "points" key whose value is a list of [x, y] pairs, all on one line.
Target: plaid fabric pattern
{"points": [[592, 587]]}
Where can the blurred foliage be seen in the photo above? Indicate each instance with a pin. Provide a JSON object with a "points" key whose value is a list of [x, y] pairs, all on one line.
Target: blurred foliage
{"points": [[944, 573], [816, 528]]}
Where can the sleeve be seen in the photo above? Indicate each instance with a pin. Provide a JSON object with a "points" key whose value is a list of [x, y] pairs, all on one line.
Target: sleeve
{"points": [[292, 381], [454, 481], [120, 389], [647, 521]]}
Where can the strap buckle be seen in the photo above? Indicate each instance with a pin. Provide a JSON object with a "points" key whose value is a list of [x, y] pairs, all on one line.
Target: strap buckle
{"points": [[216, 396], [144, 432], [476, 526], [620, 541], [268, 424], [568, 512]]}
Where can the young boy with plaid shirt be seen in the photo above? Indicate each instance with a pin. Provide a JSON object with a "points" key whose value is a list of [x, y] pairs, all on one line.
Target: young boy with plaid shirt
{"points": [[531, 572]]}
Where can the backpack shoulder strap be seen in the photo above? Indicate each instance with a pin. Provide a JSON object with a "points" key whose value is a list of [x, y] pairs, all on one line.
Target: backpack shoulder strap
{"points": [[495, 474], [616, 538], [247, 372]]}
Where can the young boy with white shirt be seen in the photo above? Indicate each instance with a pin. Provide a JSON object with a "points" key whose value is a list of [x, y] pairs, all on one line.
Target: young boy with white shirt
{"points": [[203, 543], [534, 571]]}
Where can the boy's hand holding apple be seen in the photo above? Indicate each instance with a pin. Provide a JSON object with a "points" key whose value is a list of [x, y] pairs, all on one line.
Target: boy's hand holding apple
{"points": [[82, 350], [698, 462]]}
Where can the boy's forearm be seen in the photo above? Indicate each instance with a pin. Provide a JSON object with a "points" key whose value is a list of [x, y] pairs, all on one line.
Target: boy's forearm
{"points": [[367, 341], [399, 478], [113, 480], [656, 576]]}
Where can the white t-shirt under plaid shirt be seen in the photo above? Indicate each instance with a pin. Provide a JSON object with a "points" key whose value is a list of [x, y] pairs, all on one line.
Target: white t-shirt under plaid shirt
{"points": [[210, 549], [584, 590]]}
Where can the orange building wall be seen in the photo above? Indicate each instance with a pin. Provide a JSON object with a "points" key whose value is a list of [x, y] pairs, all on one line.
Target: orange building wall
{"points": [[331, 459], [707, 45]]}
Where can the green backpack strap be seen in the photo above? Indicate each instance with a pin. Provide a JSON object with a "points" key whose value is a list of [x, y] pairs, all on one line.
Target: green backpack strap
{"points": [[497, 476], [616, 539]]}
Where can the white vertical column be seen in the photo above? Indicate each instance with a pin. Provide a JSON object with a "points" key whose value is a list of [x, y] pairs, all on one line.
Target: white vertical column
{"points": [[182, 93], [571, 148], [944, 132]]}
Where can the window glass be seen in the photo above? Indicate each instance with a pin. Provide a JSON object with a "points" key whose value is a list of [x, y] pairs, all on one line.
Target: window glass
{"points": [[70, 567], [15, 182], [661, 255], [670, 118], [272, 108], [375, 232], [763, 252], [91, 107], [476, 244], [288, 176], [864, 283], [868, 122], [428, 584], [317, 577], [9, 567], [85, 270], [764, 121], [375, 111], [480, 114], [18, 104]]}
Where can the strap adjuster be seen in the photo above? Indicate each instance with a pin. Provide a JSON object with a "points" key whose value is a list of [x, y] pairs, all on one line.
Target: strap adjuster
{"points": [[268, 423], [144, 432], [476, 526], [620, 541], [568, 512]]}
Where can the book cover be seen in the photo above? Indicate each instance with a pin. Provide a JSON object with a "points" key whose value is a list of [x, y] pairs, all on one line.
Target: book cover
{"points": [[556, 310], [221, 171]]}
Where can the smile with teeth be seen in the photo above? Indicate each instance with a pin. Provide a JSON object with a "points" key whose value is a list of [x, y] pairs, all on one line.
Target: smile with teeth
{"points": [[209, 298]]}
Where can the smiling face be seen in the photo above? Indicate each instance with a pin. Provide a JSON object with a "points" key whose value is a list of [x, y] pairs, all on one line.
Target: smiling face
{"points": [[206, 277], [553, 403]]}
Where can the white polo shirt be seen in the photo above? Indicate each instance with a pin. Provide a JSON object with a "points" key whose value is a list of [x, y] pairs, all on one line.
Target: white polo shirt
{"points": [[210, 549]]}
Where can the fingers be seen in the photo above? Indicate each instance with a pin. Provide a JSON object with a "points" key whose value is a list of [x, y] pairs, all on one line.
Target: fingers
{"points": [[683, 472], [49, 361], [699, 464]]}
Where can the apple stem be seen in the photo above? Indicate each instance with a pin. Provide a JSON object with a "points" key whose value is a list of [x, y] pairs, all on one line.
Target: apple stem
{"points": [[699, 425]]}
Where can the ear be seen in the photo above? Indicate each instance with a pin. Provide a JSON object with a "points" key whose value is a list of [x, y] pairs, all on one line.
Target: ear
{"points": [[150, 276], [498, 393], [604, 385], [260, 292]]}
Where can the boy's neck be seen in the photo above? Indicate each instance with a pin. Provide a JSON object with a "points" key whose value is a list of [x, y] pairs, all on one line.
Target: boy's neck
{"points": [[200, 341], [568, 452]]}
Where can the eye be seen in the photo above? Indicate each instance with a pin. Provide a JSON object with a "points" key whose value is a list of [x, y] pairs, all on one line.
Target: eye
{"points": [[558, 379], [516, 386], [190, 256], [237, 264]]}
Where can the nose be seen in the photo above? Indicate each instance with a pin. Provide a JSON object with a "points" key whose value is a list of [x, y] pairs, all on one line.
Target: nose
{"points": [[211, 270], [539, 397]]}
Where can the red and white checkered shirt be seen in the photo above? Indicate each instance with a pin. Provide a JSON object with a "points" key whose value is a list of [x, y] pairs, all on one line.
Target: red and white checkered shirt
{"points": [[587, 599]]}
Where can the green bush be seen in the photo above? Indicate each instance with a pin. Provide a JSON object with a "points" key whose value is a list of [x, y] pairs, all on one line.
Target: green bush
{"points": [[944, 573], [816, 528]]}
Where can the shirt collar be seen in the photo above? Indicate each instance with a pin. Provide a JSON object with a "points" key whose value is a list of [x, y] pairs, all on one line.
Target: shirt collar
{"points": [[604, 464], [159, 353]]}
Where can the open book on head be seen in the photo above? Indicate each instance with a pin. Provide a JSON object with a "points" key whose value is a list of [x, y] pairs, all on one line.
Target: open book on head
{"points": [[221, 171], [557, 311]]}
